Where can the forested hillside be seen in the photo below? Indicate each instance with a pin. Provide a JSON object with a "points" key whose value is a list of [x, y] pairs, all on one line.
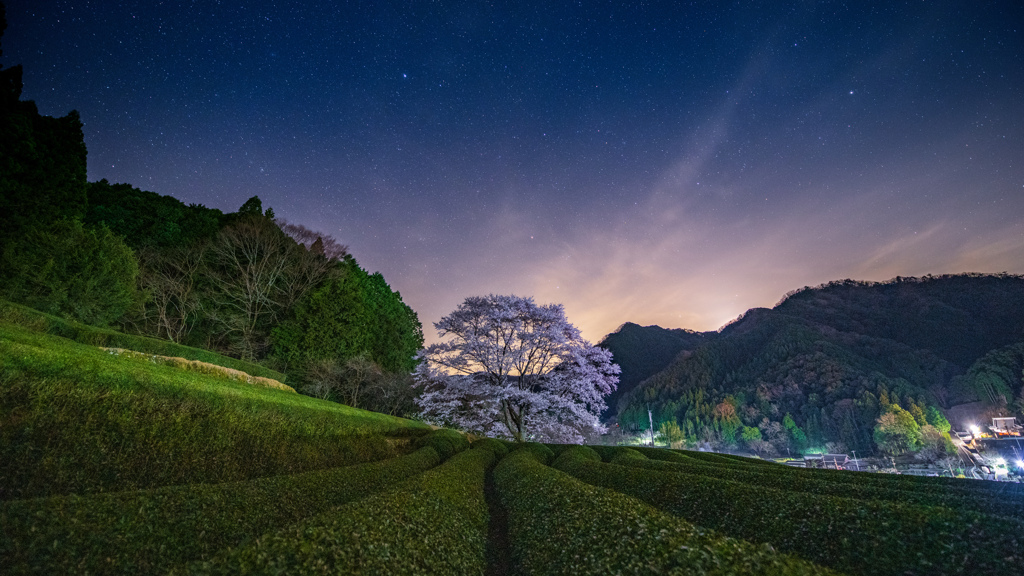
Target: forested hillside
{"points": [[642, 351], [821, 368], [243, 284]]}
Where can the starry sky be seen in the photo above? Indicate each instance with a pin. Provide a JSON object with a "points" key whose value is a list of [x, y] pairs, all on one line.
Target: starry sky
{"points": [[670, 163]]}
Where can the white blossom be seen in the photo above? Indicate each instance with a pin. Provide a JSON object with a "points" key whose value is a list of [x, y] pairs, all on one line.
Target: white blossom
{"points": [[510, 368]]}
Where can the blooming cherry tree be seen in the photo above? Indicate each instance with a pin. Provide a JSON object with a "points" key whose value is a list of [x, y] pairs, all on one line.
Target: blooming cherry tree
{"points": [[508, 367]]}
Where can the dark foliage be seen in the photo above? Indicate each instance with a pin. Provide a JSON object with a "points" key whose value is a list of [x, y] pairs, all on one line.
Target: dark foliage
{"points": [[148, 219], [956, 317], [42, 163], [645, 350], [996, 378], [66, 269], [834, 358]]}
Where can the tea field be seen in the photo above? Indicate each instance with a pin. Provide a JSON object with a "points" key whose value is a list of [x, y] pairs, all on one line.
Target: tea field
{"points": [[136, 464]]}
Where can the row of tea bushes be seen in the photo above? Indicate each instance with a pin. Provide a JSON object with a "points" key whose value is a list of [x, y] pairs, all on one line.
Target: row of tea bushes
{"points": [[445, 441], [559, 525], [908, 481], [151, 531], [435, 523], [922, 484], [409, 515], [860, 486], [77, 420], [852, 536]]}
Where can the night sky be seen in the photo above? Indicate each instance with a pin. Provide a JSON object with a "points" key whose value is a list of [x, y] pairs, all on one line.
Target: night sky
{"points": [[661, 163]]}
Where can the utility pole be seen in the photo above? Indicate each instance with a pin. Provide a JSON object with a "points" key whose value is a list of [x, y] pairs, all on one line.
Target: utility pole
{"points": [[650, 419]]}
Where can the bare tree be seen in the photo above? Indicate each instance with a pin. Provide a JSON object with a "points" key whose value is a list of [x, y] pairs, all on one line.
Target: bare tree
{"points": [[305, 270], [311, 262], [361, 373], [249, 260], [171, 278], [393, 394], [322, 244], [359, 382], [324, 378]]}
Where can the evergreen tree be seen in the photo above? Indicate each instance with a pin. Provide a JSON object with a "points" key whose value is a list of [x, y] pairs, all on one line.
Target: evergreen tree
{"points": [[42, 162], [936, 419], [69, 270]]}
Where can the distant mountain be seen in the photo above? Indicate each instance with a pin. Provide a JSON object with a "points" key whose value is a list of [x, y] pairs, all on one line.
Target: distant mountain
{"points": [[832, 357], [642, 351]]}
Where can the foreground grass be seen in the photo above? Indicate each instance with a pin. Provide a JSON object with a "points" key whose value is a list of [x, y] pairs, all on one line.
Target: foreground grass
{"points": [[866, 537], [435, 523], [75, 419], [559, 525], [969, 496], [153, 531]]}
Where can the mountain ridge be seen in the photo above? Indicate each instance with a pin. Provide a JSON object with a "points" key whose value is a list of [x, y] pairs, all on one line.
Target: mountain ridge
{"points": [[832, 358]]}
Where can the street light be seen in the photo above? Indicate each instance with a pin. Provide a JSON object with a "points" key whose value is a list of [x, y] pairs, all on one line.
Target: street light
{"points": [[975, 430]]}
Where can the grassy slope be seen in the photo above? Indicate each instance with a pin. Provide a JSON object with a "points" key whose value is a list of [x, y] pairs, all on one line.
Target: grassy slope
{"points": [[37, 321], [75, 419]]}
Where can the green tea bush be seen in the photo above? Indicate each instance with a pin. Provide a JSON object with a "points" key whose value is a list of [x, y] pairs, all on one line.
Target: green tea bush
{"points": [[37, 321], [559, 525], [499, 447], [853, 536], [607, 453], [919, 483], [930, 485], [151, 531], [862, 488], [447, 442], [435, 523], [747, 461], [623, 457], [74, 419], [542, 452], [709, 457]]}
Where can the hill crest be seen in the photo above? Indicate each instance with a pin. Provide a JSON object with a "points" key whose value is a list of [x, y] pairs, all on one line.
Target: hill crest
{"points": [[831, 357]]}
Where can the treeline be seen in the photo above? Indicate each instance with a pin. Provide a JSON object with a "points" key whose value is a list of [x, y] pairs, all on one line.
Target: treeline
{"points": [[959, 317], [243, 284], [846, 366]]}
